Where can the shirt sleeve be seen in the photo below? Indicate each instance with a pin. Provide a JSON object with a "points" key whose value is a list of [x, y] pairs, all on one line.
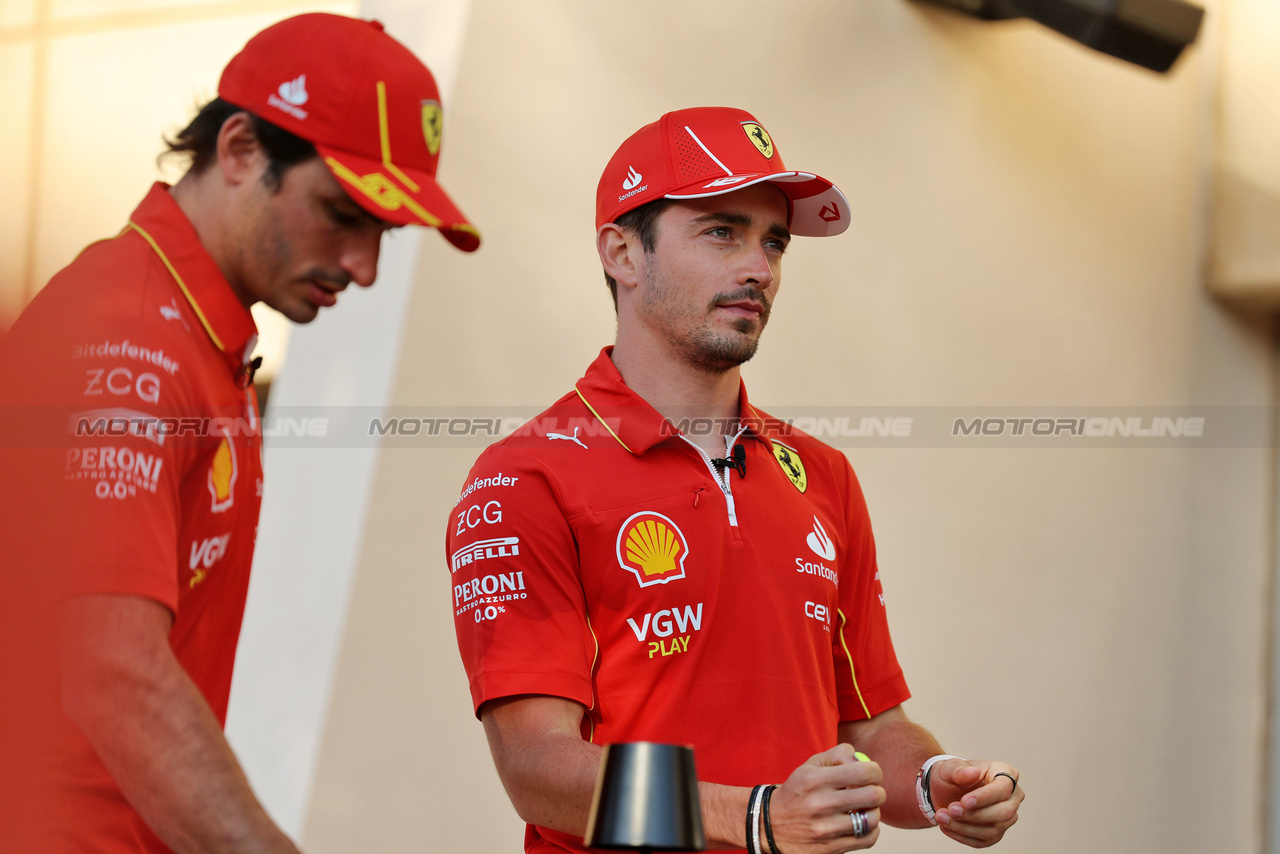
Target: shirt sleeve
{"points": [[107, 489], [519, 609], [869, 679]]}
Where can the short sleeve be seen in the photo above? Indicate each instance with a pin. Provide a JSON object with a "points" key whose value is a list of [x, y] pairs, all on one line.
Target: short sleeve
{"points": [[519, 609], [103, 486], [869, 679]]}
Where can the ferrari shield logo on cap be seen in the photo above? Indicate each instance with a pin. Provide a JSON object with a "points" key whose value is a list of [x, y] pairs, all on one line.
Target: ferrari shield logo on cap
{"points": [[652, 548], [792, 465], [759, 138], [432, 125]]}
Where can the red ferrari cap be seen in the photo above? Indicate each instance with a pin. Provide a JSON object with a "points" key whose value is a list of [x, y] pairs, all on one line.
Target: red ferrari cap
{"points": [[709, 151], [370, 107]]}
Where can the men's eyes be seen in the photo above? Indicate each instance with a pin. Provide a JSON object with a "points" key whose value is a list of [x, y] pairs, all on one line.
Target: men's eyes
{"points": [[345, 219], [725, 232]]}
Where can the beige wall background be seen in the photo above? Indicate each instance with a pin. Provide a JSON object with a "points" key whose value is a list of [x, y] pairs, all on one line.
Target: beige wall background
{"points": [[1033, 226], [1245, 261], [1030, 227]]}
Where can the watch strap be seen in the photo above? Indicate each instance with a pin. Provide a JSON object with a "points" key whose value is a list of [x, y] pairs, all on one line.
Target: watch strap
{"points": [[923, 796]]}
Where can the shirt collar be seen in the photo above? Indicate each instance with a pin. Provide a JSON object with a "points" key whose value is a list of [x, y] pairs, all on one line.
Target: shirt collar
{"points": [[164, 226], [630, 419]]}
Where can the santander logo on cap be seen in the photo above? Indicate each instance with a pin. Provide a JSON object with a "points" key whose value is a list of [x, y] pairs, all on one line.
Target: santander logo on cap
{"points": [[290, 97], [632, 184], [295, 90]]}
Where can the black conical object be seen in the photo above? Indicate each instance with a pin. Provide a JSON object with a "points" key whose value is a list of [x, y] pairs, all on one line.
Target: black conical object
{"points": [[646, 799]]}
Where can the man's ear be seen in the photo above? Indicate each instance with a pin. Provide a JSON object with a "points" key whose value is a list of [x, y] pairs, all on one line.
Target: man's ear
{"points": [[620, 253], [240, 154]]}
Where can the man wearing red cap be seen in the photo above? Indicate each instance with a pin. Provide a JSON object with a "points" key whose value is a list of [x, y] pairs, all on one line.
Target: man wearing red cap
{"points": [[656, 559], [137, 459]]}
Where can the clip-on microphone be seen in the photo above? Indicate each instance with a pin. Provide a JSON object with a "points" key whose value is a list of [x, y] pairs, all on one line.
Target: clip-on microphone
{"points": [[244, 376], [738, 463]]}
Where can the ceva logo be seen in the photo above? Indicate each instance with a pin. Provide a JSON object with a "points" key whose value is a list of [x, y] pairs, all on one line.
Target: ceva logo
{"points": [[295, 91]]}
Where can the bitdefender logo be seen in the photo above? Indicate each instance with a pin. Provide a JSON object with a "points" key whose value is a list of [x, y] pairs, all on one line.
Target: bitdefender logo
{"points": [[290, 97]]}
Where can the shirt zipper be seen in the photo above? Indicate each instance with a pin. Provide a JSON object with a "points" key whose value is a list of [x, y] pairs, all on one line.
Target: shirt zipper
{"points": [[721, 478], [250, 409]]}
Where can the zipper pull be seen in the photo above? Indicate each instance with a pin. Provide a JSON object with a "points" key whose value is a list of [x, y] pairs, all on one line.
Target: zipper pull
{"points": [[697, 493]]}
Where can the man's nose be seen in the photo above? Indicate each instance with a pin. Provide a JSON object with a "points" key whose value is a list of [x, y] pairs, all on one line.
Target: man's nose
{"points": [[757, 267], [360, 258]]}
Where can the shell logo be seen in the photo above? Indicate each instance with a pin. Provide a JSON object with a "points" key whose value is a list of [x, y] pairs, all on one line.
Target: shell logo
{"points": [[652, 548], [222, 476]]}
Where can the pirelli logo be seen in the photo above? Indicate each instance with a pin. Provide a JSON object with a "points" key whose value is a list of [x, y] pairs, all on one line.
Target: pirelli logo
{"points": [[484, 550]]}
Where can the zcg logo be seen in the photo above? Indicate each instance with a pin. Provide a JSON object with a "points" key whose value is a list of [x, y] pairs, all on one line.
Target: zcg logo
{"points": [[120, 381], [475, 515]]}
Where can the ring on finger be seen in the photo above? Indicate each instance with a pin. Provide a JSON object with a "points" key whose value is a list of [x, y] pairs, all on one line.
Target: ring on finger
{"points": [[861, 824], [1011, 779]]}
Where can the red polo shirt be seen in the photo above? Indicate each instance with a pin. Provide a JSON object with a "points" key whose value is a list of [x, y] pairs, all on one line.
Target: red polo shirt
{"points": [[598, 555], [140, 466]]}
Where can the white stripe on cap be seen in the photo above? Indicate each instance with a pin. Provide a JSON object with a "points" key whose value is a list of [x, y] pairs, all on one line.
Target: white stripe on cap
{"points": [[707, 150]]}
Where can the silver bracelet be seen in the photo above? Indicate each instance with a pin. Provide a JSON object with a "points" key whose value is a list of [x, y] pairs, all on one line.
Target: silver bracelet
{"points": [[753, 810]]}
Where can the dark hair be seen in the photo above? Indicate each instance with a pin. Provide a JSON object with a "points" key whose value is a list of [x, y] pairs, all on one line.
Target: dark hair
{"points": [[642, 222], [199, 141]]}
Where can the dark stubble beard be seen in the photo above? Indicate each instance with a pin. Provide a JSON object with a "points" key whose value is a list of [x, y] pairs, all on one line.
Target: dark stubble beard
{"points": [[707, 349]]}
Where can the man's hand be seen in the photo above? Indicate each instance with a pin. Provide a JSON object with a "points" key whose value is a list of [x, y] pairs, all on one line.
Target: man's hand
{"points": [[810, 811], [976, 801]]}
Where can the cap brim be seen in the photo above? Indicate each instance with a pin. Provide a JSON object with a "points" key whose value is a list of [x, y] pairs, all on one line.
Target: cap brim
{"points": [[399, 195], [818, 208]]}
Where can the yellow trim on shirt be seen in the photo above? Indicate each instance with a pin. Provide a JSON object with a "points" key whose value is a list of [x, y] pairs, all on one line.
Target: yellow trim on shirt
{"points": [[852, 675], [602, 421], [89, 246], [204, 321], [595, 658]]}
